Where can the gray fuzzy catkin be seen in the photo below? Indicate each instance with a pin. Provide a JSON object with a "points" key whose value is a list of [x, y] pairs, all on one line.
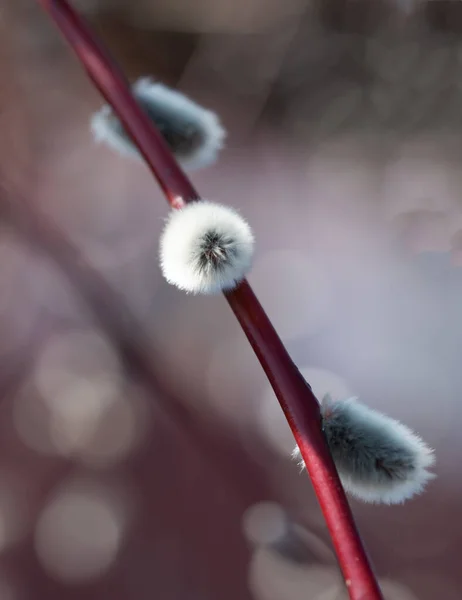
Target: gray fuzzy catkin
{"points": [[378, 458], [194, 134]]}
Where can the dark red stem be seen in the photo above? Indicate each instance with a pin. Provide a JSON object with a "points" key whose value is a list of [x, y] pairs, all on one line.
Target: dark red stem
{"points": [[295, 396]]}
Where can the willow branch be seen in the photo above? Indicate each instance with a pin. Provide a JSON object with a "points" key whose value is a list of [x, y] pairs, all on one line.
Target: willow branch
{"points": [[296, 398]]}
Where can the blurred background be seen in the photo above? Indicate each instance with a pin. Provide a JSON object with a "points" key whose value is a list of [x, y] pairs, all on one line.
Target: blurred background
{"points": [[142, 453]]}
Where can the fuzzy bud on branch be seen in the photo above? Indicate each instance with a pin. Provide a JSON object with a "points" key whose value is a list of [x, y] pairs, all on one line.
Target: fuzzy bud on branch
{"points": [[378, 459], [194, 134], [206, 248]]}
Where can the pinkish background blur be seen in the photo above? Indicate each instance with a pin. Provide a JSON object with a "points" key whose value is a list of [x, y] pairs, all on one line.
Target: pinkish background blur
{"points": [[344, 153]]}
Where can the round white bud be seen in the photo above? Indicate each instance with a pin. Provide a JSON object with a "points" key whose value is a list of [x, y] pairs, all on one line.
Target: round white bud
{"points": [[206, 248]]}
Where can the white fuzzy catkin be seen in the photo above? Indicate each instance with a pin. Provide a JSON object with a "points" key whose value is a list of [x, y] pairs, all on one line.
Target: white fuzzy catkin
{"points": [[194, 134], [378, 459], [205, 248]]}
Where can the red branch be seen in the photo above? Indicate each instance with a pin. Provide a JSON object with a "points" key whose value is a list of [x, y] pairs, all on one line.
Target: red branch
{"points": [[295, 396]]}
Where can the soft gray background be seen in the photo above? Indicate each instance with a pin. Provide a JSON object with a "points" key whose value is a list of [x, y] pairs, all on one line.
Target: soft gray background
{"points": [[345, 123]]}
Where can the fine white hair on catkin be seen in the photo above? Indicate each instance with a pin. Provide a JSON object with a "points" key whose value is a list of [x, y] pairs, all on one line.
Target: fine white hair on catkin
{"points": [[378, 459], [206, 248], [194, 134]]}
